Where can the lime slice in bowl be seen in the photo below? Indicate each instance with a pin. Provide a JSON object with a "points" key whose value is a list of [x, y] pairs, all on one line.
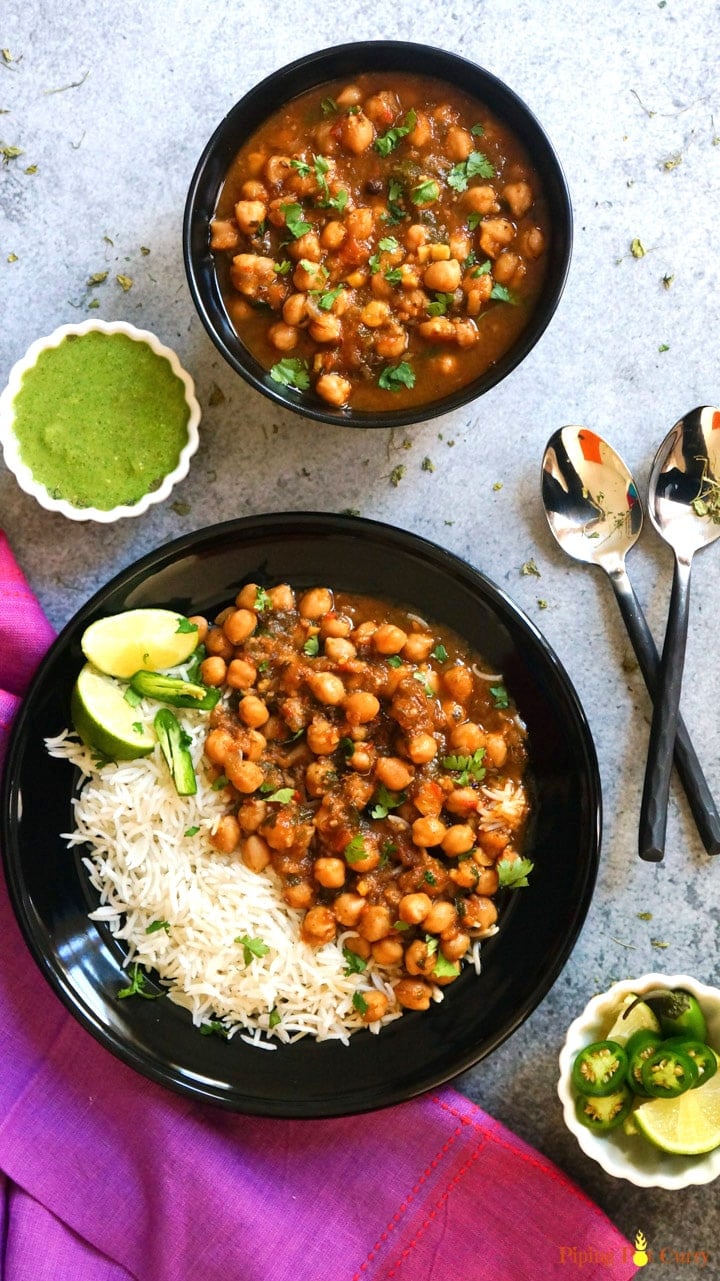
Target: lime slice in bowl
{"points": [[641, 1018], [686, 1126], [139, 638], [105, 721]]}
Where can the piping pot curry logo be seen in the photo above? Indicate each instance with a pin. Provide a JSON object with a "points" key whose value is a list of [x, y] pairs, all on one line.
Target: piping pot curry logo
{"points": [[640, 1253], [640, 1256]]}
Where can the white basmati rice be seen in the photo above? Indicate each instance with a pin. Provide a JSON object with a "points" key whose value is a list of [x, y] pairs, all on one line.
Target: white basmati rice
{"points": [[147, 869]]}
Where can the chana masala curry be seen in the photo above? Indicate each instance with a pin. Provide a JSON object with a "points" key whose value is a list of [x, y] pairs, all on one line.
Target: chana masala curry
{"points": [[380, 243], [376, 765]]}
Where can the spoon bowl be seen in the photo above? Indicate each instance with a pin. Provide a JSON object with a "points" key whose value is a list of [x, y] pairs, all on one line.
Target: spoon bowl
{"points": [[594, 510], [684, 504]]}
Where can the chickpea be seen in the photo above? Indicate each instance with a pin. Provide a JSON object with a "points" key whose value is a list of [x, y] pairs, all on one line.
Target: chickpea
{"points": [[413, 908], [374, 922], [428, 831], [375, 313], [224, 234], [250, 272], [322, 736], [462, 801], [427, 797], [240, 625], [487, 880], [389, 639], [241, 673], [361, 947], [218, 645], [339, 649], [496, 750], [249, 214], [361, 707], [319, 926], [319, 776], [362, 759], [391, 341], [371, 857], [357, 133], [466, 333], [419, 960], [422, 132], [252, 814], [532, 242], [380, 287], [213, 670], [394, 773], [348, 907], [252, 711], [445, 365], [442, 916], [493, 843], [360, 223], [388, 951], [458, 839], [350, 96], [466, 738], [326, 328], [226, 835], [519, 197], [307, 247], [482, 200], [334, 389], [382, 108], [437, 329], [417, 647], [480, 912], [421, 748], [460, 245], [315, 603], [278, 169], [283, 337], [458, 143], [244, 775], [294, 310], [330, 872], [218, 744], [255, 853], [308, 276], [326, 687], [494, 235], [415, 236], [201, 624], [333, 234], [356, 279], [455, 947], [508, 267], [376, 1006], [253, 190], [413, 994], [302, 894], [223, 615], [363, 634]]}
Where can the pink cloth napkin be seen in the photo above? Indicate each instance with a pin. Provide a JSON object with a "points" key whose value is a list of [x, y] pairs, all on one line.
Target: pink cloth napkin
{"points": [[105, 1176]]}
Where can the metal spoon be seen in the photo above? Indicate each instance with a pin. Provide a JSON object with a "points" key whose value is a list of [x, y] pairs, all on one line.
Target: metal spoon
{"points": [[594, 511], [684, 506]]}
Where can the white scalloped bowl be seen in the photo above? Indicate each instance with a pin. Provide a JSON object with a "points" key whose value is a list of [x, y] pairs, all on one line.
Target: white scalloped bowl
{"points": [[22, 472], [625, 1156]]}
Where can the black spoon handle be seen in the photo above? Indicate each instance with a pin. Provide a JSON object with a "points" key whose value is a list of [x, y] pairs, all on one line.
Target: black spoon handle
{"points": [[666, 715], [695, 784]]}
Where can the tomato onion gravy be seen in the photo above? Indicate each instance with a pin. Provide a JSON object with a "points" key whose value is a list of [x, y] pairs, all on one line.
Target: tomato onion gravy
{"points": [[381, 243]]}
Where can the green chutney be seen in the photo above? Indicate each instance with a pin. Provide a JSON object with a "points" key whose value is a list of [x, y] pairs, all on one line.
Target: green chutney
{"points": [[100, 420]]}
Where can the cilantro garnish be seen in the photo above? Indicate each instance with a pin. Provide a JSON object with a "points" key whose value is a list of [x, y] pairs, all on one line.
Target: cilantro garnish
{"points": [[327, 299], [220, 782], [513, 873], [311, 646], [282, 796], [429, 877], [424, 193], [251, 947], [388, 244], [468, 767], [502, 294], [302, 168], [440, 304], [394, 275], [476, 165], [422, 680], [184, 625], [213, 1027], [354, 964], [154, 926], [394, 660], [275, 1017], [440, 653], [282, 268], [395, 212], [262, 600], [389, 141], [386, 801], [359, 1003], [444, 969], [477, 131], [136, 986], [482, 270], [328, 106], [393, 377], [401, 925], [191, 831], [294, 221], [291, 372], [500, 696], [355, 850]]}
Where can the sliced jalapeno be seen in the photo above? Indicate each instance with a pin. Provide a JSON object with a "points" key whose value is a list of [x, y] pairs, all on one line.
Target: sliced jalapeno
{"points": [[173, 690], [174, 743], [599, 1068], [702, 1056], [679, 1013], [641, 1046], [668, 1072], [606, 1112]]}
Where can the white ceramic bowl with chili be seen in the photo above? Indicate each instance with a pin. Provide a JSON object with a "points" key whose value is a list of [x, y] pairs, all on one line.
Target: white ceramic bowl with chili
{"points": [[99, 421], [377, 234], [631, 1156]]}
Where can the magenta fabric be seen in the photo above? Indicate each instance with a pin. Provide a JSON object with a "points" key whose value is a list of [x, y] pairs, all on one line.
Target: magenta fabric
{"points": [[105, 1176]]}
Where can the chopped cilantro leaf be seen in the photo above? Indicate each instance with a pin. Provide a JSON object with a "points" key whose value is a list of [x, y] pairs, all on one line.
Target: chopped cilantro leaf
{"points": [[294, 221], [500, 696], [192, 831], [444, 969], [275, 1017], [213, 1027], [468, 767], [386, 801], [359, 1003], [394, 660], [220, 782], [425, 193], [389, 141], [154, 926], [440, 653], [393, 377], [136, 986], [502, 294], [482, 270], [354, 964], [327, 299], [262, 600], [513, 873], [184, 625], [311, 646], [388, 244], [251, 947], [291, 372], [328, 106], [355, 850], [440, 304], [282, 796]]}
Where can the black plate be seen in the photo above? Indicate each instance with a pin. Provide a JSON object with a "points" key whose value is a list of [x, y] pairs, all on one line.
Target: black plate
{"points": [[199, 574]]}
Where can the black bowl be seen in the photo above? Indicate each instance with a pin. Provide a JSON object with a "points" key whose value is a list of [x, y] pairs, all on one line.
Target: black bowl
{"points": [[298, 77], [538, 925]]}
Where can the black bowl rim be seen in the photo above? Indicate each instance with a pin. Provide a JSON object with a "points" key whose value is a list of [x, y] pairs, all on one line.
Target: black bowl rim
{"points": [[130, 579], [398, 54]]}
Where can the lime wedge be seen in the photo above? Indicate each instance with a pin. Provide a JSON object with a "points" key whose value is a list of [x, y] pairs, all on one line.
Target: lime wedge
{"points": [[150, 638], [641, 1018], [686, 1126], [105, 721]]}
